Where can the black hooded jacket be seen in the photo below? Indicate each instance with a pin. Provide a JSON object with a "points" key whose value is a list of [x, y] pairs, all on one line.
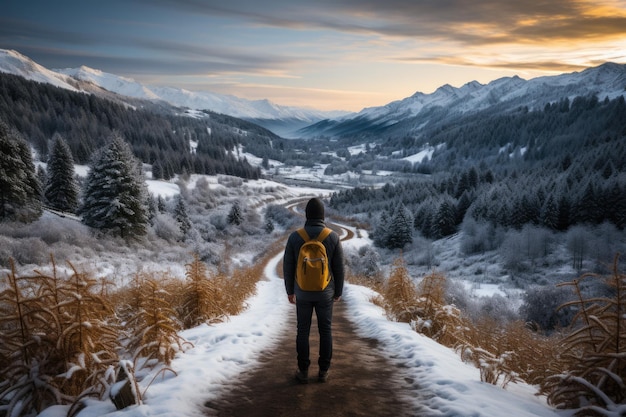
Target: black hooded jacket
{"points": [[335, 256]]}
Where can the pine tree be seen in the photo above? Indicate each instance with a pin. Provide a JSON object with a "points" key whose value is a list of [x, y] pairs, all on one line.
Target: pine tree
{"points": [[381, 234], [157, 170], [152, 210], [587, 207], [616, 202], [461, 207], [445, 220], [181, 216], [42, 177], [161, 204], [114, 193], [424, 217], [564, 209], [61, 190], [400, 229], [550, 214], [20, 190], [235, 216]]}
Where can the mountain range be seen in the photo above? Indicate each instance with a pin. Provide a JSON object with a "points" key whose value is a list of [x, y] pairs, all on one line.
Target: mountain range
{"points": [[411, 116], [284, 120]]}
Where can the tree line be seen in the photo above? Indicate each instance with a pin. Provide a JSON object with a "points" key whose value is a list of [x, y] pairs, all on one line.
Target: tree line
{"points": [[158, 135], [114, 194], [574, 174]]}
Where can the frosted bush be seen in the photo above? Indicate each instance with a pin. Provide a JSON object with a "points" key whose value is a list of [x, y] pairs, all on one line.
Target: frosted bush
{"points": [[281, 216], [5, 251], [219, 221], [167, 228], [30, 251]]}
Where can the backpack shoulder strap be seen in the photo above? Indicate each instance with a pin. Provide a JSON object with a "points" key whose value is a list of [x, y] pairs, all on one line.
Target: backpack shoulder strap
{"points": [[324, 234], [303, 234], [320, 238]]}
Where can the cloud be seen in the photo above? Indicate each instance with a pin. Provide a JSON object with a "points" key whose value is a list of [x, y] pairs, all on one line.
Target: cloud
{"points": [[57, 47], [463, 21], [324, 44], [216, 56], [22, 31]]}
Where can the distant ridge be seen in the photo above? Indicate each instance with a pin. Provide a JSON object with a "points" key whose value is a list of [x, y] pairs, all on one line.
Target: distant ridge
{"points": [[262, 112], [410, 115]]}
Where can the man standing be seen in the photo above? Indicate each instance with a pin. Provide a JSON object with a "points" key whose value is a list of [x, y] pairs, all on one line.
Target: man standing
{"points": [[320, 301]]}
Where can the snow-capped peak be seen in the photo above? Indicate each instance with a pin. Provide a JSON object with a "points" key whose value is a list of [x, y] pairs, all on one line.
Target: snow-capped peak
{"points": [[114, 83], [501, 95], [13, 62]]}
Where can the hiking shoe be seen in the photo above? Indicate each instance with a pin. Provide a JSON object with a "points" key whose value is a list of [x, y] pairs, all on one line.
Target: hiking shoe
{"points": [[302, 376], [322, 376]]}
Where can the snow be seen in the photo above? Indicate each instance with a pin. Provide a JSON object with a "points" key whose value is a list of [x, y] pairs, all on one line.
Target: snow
{"points": [[606, 80], [443, 384], [419, 157], [13, 62], [195, 100], [162, 188], [362, 148]]}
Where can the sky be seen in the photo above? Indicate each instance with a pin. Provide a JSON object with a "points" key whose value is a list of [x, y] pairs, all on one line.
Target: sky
{"points": [[324, 54]]}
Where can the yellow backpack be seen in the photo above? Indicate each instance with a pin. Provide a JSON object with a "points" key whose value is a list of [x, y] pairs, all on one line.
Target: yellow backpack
{"points": [[312, 270]]}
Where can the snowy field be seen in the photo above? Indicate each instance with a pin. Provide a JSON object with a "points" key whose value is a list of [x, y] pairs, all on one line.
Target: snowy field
{"points": [[445, 385]]}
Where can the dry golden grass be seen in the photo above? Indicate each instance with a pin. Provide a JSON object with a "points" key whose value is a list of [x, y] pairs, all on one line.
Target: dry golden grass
{"points": [[440, 321], [583, 369], [502, 354], [59, 338], [202, 296], [509, 353], [401, 300], [594, 352], [60, 333], [151, 326]]}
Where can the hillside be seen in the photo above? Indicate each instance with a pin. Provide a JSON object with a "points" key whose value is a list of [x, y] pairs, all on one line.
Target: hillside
{"points": [[426, 378], [284, 119], [420, 114], [159, 135]]}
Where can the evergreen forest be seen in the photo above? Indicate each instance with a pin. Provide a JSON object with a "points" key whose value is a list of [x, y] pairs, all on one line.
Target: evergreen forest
{"points": [[556, 167], [505, 196]]}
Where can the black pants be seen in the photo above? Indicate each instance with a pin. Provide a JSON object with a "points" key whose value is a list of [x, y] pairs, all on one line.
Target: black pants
{"points": [[324, 312]]}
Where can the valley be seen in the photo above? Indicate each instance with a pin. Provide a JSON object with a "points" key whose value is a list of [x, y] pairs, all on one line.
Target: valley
{"points": [[504, 192]]}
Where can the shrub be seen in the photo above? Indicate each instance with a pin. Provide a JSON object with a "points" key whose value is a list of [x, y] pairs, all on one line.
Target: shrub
{"points": [[281, 216], [365, 263], [166, 227], [58, 340], [30, 250], [202, 300], [541, 307], [152, 326], [594, 353], [400, 294]]}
